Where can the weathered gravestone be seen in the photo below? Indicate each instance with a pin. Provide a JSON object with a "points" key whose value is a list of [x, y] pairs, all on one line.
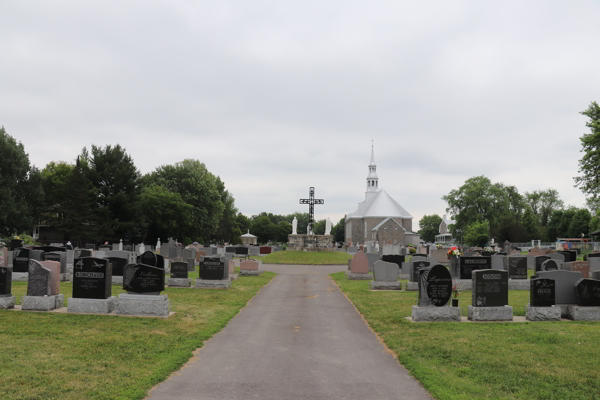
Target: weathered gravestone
{"points": [[386, 276], [498, 262], [594, 264], [539, 260], [360, 267], [490, 296], [470, 264], [517, 267], [40, 287], [373, 258], [581, 266], [435, 289], [549, 265], [7, 300], [557, 256]]}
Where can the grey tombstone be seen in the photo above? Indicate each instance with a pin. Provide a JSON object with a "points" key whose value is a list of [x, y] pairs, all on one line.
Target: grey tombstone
{"points": [[550, 265], [565, 283], [39, 280], [385, 271], [228, 256], [373, 258], [498, 262], [191, 264], [557, 256], [594, 263]]}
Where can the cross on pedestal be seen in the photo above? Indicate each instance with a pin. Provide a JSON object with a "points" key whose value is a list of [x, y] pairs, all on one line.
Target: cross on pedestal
{"points": [[311, 201]]}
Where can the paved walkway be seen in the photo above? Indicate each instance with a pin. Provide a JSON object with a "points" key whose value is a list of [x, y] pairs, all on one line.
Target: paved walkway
{"points": [[300, 338]]}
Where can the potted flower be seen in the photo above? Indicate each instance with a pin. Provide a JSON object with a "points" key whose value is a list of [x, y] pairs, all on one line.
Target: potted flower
{"points": [[455, 293], [454, 252]]}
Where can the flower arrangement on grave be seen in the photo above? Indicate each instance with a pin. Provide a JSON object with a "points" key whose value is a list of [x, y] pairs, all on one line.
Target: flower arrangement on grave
{"points": [[488, 249], [438, 246], [454, 252], [456, 288]]}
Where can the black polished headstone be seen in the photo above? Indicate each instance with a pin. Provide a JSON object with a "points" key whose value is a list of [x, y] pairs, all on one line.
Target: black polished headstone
{"points": [[538, 262], [229, 249], [213, 268], [470, 264], [549, 265], [118, 264], [21, 260], [435, 286], [486, 253], [16, 243], [39, 281], [241, 251], [152, 259], [569, 255], [79, 253], [517, 267], [179, 269], [490, 288], [90, 246], [420, 255], [393, 258], [48, 249], [588, 292], [542, 292], [5, 281], [92, 278], [143, 279], [416, 266]]}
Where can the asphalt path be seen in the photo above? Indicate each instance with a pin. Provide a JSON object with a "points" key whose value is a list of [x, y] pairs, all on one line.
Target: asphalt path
{"points": [[299, 338]]}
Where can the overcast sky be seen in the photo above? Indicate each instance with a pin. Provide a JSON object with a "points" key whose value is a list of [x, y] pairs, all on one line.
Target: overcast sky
{"points": [[278, 96]]}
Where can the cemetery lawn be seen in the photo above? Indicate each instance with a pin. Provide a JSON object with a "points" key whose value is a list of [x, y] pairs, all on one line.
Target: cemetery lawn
{"points": [[294, 257], [68, 356], [530, 360]]}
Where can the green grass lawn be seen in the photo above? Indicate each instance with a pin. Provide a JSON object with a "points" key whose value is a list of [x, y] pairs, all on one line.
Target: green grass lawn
{"points": [[67, 356], [541, 360], [307, 258]]}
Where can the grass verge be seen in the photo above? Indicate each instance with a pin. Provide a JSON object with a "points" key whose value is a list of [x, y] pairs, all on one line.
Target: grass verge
{"points": [[294, 257], [541, 360], [67, 356]]}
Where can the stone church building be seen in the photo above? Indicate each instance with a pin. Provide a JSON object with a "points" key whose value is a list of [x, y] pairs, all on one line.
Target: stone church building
{"points": [[379, 218]]}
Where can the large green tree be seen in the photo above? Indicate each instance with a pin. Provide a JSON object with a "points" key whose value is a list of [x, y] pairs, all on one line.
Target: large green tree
{"points": [[429, 227], [164, 213], [116, 182], [478, 199], [477, 233], [589, 164], [21, 193], [339, 230]]}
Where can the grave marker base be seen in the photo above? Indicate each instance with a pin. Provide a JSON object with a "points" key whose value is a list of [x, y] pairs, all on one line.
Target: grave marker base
{"points": [[178, 282], [143, 305], [213, 283], [233, 277], [503, 313], [435, 314], [582, 313], [542, 313], [249, 272], [42, 303], [7, 302], [352, 276], [412, 286], [382, 285], [91, 306]]}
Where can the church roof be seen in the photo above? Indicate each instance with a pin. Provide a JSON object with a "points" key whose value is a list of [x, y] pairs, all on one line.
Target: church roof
{"points": [[380, 205]]}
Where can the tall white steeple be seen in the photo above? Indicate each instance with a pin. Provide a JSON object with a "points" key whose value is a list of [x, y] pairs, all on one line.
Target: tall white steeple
{"points": [[372, 179]]}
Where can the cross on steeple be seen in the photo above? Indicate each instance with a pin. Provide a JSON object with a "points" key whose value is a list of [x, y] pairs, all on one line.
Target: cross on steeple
{"points": [[311, 201]]}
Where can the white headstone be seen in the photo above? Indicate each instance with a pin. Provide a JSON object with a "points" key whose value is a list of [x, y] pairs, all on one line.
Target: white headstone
{"points": [[121, 245], [142, 248], [158, 244], [328, 226], [295, 226]]}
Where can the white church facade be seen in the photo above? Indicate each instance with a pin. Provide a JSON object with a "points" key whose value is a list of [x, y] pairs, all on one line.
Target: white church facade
{"points": [[379, 218]]}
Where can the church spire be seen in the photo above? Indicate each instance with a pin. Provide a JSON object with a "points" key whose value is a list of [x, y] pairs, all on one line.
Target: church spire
{"points": [[372, 179]]}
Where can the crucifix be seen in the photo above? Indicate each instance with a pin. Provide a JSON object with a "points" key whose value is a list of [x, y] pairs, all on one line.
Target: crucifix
{"points": [[311, 201]]}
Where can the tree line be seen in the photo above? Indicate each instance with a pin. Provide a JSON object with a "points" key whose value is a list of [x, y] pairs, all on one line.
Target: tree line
{"points": [[484, 210], [102, 195]]}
